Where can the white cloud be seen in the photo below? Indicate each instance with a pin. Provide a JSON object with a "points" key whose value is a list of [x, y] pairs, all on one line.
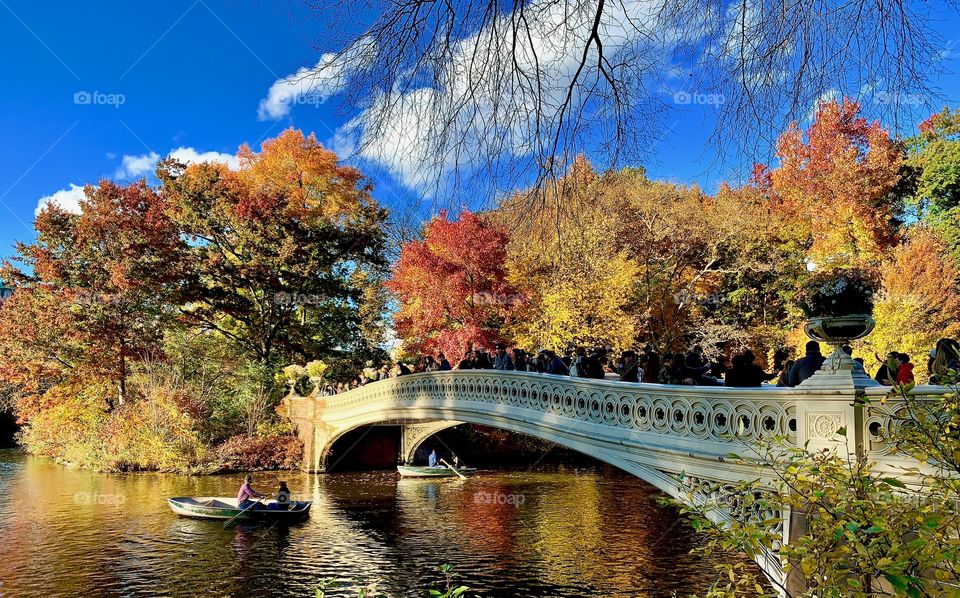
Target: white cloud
{"points": [[306, 86], [135, 166], [314, 85], [68, 199], [418, 144], [189, 155]]}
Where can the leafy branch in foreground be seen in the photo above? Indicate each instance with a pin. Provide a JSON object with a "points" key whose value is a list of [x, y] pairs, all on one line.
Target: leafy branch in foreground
{"points": [[862, 532], [452, 591]]}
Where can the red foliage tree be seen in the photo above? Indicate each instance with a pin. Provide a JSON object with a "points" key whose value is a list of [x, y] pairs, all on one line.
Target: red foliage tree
{"points": [[452, 286]]}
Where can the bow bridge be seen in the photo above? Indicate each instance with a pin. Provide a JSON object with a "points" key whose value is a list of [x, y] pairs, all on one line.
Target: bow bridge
{"points": [[652, 431]]}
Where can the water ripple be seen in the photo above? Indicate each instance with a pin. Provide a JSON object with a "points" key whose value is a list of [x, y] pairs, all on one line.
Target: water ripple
{"points": [[70, 533]]}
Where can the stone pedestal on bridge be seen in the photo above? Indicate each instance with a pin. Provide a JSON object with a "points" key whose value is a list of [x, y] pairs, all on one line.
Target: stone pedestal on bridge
{"points": [[832, 416], [835, 403]]}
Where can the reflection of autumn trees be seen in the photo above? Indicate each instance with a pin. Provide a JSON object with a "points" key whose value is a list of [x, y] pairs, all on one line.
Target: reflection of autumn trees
{"points": [[569, 519], [605, 533]]}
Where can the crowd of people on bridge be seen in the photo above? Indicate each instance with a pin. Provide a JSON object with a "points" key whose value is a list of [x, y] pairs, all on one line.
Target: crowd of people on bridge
{"points": [[691, 367]]}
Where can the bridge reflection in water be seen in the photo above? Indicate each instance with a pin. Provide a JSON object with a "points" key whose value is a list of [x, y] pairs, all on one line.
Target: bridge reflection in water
{"points": [[653, 431], [575, 534]]}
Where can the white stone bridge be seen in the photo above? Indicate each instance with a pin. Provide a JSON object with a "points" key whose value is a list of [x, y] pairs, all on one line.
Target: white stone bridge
{"points": [[652, 431]]}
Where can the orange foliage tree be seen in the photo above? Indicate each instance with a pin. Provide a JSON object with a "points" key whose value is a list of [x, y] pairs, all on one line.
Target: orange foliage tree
{"points": [[836, 178], [452, 286], [919, 301], [282, 250], [96, 292]]}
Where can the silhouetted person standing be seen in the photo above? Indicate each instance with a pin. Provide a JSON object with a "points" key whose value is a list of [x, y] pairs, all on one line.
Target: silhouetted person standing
{"points": [[807, 365]]}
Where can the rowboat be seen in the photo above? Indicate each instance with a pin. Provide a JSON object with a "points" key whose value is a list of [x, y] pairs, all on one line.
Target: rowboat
{"points": [[220, 507], [441, 471]]}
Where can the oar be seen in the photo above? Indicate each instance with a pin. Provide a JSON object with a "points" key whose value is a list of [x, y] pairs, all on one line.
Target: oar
{"points": [[227, 522], [453, 468]]}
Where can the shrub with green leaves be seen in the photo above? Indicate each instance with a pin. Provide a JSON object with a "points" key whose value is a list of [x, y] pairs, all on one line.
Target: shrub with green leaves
{"points": [[866, 534]]}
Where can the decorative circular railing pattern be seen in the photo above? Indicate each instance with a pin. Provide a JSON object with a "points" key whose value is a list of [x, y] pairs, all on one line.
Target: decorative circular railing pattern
{"points": [[885, 420], [657, 432], [694, 412]]}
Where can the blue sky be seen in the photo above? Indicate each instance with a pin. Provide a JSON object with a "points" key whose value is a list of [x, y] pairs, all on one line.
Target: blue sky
{"points": [[88, 84]]}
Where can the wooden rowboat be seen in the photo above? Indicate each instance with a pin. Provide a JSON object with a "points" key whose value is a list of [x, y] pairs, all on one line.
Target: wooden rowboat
{"points": [[412, 471], [223, 508]]}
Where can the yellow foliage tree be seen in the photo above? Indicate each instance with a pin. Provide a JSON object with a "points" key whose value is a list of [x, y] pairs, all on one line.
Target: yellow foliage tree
{"points": [[918, 304], [578, 284], [583, 296]]}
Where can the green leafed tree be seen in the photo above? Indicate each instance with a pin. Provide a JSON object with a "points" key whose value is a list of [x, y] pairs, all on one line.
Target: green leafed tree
{"points": [[935, 155]]}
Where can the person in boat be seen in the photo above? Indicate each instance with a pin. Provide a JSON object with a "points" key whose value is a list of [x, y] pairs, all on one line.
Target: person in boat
{"points": [[283, 498], [432, 459], [246, 493]]}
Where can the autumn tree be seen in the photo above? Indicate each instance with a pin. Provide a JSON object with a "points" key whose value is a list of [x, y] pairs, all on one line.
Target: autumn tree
{"points": [[452, 286], [614, 258], [702, 259], [935, 154], [579, 285], [836, 178], [96, 290], [281, 250], [919, 300]]}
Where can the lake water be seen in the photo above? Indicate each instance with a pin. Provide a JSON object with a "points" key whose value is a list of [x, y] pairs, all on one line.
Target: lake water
{"points": [[561, 532]]}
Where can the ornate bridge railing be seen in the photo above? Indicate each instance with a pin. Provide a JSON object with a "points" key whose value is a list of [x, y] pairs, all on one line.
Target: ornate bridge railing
{"points": [[703, 421], [653, 431]]}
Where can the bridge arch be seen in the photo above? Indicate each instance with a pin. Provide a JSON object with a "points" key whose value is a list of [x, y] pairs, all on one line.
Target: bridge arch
{"points": [[659, 479], [653, 431]]}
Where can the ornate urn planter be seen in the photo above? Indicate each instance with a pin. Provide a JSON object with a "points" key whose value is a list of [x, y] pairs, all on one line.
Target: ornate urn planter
{"points": [[838, 303], [839, 330]]}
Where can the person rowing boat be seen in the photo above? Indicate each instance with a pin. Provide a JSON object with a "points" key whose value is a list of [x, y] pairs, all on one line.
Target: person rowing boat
{"points": [[246, 493]]}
